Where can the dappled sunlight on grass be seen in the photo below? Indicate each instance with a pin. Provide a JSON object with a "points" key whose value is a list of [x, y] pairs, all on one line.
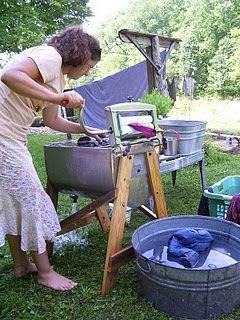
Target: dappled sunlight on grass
{"points": [[222, 116]]}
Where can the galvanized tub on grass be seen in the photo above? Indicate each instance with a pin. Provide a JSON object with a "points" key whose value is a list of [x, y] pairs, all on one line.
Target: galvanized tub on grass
{"points": [[192, 134], [208, 291]]}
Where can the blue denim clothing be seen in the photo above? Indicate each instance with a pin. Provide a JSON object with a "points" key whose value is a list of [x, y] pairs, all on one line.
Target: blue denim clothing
{"points": [[186, 244]]}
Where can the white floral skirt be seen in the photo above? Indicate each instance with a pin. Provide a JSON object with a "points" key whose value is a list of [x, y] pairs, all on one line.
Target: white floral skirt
{"points": [[25, 208]]}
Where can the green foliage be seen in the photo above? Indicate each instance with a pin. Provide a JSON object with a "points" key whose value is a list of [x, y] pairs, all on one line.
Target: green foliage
{"points": [[184, 109], [151, 16], [201, 36], [224, 67], [25, 23], [201, 24], [163, 104]]}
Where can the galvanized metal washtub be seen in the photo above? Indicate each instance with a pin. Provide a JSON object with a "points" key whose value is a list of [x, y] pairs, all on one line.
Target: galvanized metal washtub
{"points": [[191, 134], [206, 292], [92, 171]]}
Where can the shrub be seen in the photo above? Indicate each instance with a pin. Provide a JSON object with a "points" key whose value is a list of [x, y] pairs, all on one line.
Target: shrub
{"points": [[163, 104]]}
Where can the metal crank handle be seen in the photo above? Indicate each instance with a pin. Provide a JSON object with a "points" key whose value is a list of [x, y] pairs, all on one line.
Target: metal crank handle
{"points": [[89, 130]]}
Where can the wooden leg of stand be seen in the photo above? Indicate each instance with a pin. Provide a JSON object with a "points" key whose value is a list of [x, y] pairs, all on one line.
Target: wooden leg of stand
{"points": [[53, 194], [117, 222], [155, 183], [103, 218]]}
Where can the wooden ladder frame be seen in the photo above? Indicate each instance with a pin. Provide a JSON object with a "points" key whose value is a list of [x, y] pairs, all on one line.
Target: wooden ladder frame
{"points": [[116, 255]]}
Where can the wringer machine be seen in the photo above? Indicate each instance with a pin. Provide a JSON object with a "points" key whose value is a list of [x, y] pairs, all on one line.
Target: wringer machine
{"points": [[123, 169]]}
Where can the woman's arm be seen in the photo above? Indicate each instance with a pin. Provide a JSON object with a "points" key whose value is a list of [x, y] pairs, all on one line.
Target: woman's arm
{"points": [[52, 119], [24, 79], [56, 122]]}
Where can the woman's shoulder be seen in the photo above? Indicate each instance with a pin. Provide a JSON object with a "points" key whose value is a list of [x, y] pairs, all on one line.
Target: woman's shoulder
{"points": [[44, 50], [48, 61]]}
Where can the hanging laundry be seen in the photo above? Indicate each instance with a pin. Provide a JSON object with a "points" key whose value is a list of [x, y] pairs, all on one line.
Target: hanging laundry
{"points": [[110, 90], [172, 88], [188, 86]]}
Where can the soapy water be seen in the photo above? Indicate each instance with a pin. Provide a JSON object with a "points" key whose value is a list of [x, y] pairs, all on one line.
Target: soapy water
{"points": [[72, 238], [221, 254]]}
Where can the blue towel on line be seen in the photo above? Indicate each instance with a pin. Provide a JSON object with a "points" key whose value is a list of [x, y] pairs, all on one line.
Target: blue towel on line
{"points": [[186, 244]]}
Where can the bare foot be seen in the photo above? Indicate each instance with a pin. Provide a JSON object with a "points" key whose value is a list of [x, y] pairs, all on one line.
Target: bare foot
{"points": [[54, 280], [21, 271]]}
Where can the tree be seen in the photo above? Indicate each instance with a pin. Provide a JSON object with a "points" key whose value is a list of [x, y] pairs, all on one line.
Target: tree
{"points": [[153, 16], [25, 23], [204, 24], [224, 69]]}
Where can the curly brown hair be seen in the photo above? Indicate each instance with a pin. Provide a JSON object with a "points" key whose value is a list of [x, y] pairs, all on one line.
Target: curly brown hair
{"points": [[75, 46]]}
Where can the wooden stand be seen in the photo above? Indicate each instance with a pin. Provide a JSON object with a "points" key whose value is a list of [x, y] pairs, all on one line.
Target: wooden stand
{"points": [[116, 256]]}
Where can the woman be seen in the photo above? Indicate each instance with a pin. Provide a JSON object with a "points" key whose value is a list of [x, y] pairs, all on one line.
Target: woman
{"points": [[34, 81]]}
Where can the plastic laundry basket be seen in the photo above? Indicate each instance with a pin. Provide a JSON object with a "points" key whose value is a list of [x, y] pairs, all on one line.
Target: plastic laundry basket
{"points": [[223, 191]]}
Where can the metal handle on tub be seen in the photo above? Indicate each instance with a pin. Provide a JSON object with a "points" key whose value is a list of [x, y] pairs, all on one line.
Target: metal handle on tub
{"points": [[178, 136], [141, 259]]}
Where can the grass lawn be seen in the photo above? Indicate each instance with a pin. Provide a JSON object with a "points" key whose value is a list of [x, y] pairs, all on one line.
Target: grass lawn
{"points": [[221, 116], [25, 300]]}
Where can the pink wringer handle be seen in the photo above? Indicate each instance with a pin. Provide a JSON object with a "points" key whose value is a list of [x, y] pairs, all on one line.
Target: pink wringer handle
{"points": [[147, 132]]}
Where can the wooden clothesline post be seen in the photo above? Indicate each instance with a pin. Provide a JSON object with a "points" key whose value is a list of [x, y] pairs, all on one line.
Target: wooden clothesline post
{"points": [[149, 45]]}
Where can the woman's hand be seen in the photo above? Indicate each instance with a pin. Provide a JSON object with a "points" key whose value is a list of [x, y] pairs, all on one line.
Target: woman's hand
{"points": [[72, 99], [98, 136]]}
